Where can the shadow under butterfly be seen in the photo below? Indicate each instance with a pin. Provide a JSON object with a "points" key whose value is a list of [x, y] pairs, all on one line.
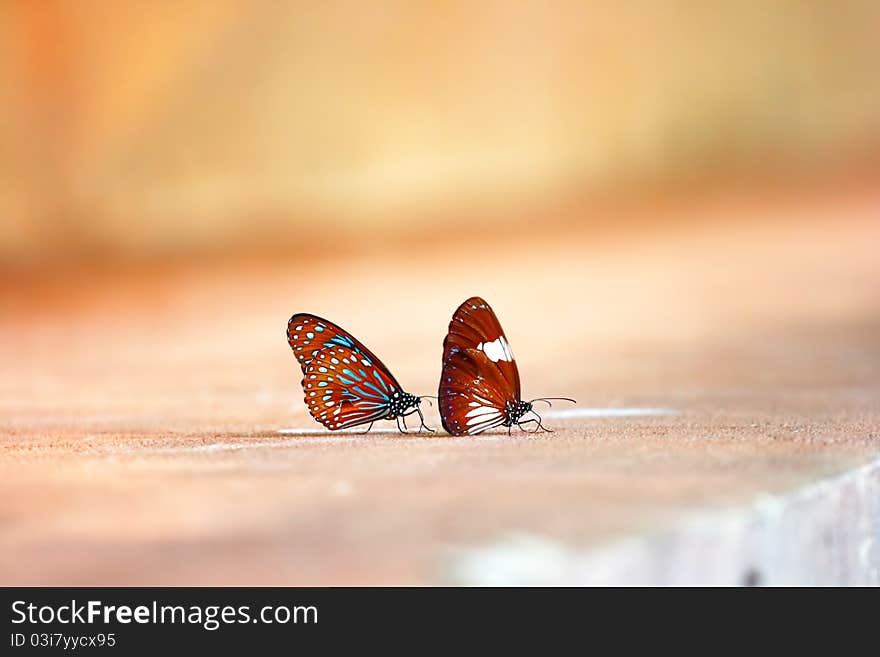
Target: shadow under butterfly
{"points": [[479, 384], [344, 383]]}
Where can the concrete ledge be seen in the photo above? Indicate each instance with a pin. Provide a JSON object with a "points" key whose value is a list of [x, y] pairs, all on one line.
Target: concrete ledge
{"points": [[825, 534], [139, 424]]}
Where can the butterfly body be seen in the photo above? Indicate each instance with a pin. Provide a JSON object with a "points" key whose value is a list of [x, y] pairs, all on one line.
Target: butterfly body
{"points": [[344, 383], [514, 411], [399, 406], [479, 386]]}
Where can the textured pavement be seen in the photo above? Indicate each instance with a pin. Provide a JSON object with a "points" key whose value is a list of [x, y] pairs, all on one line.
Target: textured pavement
{"points": [[140, 406]]}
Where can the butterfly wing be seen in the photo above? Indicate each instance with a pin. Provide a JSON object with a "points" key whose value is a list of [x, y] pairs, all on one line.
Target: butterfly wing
{"points": [[479, 377], [344, 388], [307, 334], [475, 326], [473, 394]]}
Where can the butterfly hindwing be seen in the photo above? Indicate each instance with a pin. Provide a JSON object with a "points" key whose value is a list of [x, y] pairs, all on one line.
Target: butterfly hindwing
{"points": [[344, 388], [473, 395]]}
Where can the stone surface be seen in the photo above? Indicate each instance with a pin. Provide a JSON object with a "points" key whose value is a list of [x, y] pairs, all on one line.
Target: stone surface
{"points": [[141, 405]]}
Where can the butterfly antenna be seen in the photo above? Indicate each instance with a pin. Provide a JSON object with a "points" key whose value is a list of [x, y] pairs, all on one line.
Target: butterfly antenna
{"points": [[429, 397], [548, 400]]}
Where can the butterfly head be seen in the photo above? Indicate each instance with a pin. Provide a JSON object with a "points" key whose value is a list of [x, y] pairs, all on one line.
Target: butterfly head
{"points": [[518, 409], [401, 403], [515, 411]]}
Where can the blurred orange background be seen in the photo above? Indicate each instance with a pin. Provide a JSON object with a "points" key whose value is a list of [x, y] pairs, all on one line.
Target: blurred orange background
{"points": [[159, 128], [670, 205]]}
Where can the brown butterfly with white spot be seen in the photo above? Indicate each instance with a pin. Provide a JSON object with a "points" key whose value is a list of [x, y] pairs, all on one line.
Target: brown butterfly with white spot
{"points": [[479, 384]]}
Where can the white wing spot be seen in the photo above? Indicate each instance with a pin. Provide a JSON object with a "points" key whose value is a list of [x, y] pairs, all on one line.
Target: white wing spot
{"points": [[496, 350], [481, 410], [485, 418]]}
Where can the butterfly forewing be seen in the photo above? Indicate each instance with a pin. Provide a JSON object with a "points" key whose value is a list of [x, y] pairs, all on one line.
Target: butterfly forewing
{"points": [[344, 387], [475, 326], [307, 334]]}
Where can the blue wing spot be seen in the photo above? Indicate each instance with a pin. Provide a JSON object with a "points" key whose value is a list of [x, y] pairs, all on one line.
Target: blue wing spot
{"points": [[345, 381], [376, 389], [380, 379], [365, 394], [319, 328], [323, 384], [340, 340]]}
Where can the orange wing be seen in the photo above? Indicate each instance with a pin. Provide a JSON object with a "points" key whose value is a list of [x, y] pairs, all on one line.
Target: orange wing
{"points": [[307, 334], [343, 388]]}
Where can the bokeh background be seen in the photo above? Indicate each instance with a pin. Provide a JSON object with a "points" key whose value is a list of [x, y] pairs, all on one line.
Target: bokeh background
{"points": [[670, 205], [158, 128]]}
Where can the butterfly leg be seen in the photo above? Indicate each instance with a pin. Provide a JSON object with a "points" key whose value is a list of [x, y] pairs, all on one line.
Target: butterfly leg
{"points": [[422, 421], [422, 424], [520, 425], [368, 429], [539, 425]]}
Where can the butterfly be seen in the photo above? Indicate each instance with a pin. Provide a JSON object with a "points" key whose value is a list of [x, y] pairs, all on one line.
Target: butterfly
{"points": [[479, 385], [345, 384]]}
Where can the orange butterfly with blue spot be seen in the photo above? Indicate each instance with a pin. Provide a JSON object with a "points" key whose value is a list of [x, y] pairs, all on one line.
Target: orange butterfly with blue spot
{"points": [[344, 383]]}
